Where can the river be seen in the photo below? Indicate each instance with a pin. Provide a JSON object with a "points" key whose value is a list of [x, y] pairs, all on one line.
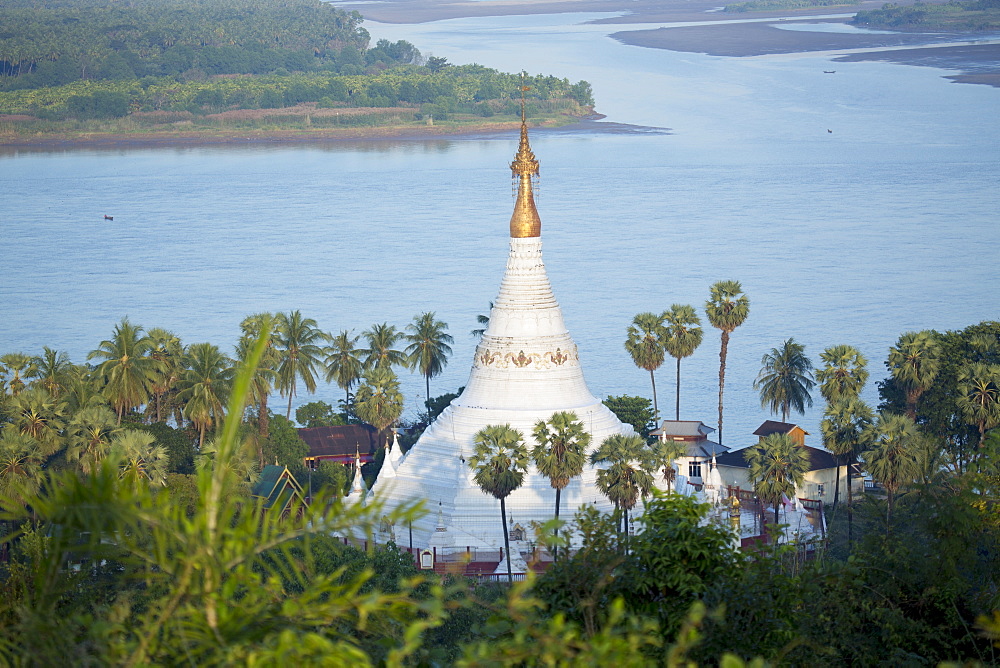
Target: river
{"points": [[852, 206]]}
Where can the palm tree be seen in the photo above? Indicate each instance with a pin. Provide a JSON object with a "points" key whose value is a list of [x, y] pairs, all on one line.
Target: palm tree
{"points": [[663, 454], [428, 350], [35, 413], [83, 389], [500, 462], [204, 386], [128, 370], [380, 351], [979, 396], [484, 321], [785, 379], [628, 473], [343, 366], [166, 348], [90, 434], [20, 466], [844, 373], [893, 460], [50, 370], [646, 336], [684, 335], [560, 450], [299, 351], [914, 363], [139, 457], [378, 400], [262, 382], [845, 427], [778, 465], [727, 308], [15, 367]]}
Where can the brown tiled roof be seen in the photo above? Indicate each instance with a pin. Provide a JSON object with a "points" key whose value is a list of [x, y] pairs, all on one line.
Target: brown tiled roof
{"points": [[339, 441], [774, 427], [818, 459]]}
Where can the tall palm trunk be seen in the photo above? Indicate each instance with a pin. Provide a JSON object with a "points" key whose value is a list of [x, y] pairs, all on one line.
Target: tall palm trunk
{"points": [[291, 393], [427, 380], [677, 413], [506, 539], [836, 488], [555, 548], [263, 419], [850, 511], [722, 376], [656, 411]]}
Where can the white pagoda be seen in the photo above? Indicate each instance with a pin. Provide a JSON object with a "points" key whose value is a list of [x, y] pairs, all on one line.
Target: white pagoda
{"points": [[525, 368]]}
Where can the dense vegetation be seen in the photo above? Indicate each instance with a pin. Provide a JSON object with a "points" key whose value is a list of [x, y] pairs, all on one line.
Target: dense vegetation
{"points": [[976, 15], [185, 64], [779, 5]]}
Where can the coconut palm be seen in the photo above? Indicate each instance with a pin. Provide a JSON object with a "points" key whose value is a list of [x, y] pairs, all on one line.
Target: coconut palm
{"points": [[204, 386], [785, 379], [380, 351], [979, 396], [777, 466], [35, 413], [646, 336], [343, 365], [16, 367], [20, 466], [846, 426], [484, 321], [684, 335], [914, 363], [299, 351], [844, 373], [166, 348], [127, 370], [378, 400], [560, 451], [90, 433], [83, 389], [628, 473], [428, 350], [264, 377], [139, 457], [727, 308], [500, 462], [893, 457], [50, 370]]}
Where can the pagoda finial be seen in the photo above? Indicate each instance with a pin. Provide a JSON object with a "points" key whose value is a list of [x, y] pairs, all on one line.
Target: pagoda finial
{"points": [[525, 221]]}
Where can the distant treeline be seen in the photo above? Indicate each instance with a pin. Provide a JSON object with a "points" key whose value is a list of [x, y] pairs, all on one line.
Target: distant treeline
{"points": [[977, 15], [776, 5]]}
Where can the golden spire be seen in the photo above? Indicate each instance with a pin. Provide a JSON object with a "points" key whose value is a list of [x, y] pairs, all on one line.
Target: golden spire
{"points": [[525, 221]]}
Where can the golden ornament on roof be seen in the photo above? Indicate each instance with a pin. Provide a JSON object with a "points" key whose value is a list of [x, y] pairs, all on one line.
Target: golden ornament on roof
{"points": [[524, 222]]}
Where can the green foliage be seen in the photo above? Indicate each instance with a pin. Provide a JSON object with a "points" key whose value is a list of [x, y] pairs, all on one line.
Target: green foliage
{"points": [[778, 5], [318, 414], [978, 15], [636, 411], [283, 445], [785, 379]]}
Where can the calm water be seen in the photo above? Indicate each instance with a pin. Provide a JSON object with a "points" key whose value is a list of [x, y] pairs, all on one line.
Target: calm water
{"points": [[853, 207]]}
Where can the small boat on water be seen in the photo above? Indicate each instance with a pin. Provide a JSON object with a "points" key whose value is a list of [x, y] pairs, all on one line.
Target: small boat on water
{"points": [[107, 217], [829, 71]]}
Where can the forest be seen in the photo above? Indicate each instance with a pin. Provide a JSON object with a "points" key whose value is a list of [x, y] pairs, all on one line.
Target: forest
{"points": [[974, 15], [129, 534], [146, 66]]}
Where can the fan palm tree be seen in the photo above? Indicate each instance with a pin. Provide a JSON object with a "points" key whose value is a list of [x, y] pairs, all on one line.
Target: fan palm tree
{"points": [[663, 454], [727, 308], [90, 434], [560, 451], [785, 379], [428, 350], [846, 427], [500, 462], [139, 457], [844, 373], [892, 461], [299, 352], [20, 466], [35, 413], [484, 321], [166, 348], [50, 370], [83, 389], [380, 351], [628, 473], [264, 377], [979, 396], [204, 386], [684, 335], [127, 370], [378, 400], [914, 363], [15, 367], [777, 466], [343, 366], [646, 336]]}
